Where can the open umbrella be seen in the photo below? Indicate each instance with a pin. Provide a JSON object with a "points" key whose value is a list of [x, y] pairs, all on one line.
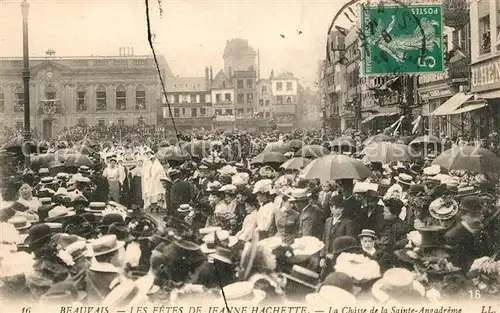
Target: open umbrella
{"points": [[268, 157], [387, 152], [335, 167], [77, 160], [296, 143], [297, 163], [312, 151], [173, 153], [19, 145], [469, 158], [277, 147], [41, 160], [378, 138], [343, 144], [426, 139]]}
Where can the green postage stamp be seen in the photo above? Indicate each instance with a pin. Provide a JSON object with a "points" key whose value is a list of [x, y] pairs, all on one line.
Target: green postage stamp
{"points": [[401, 39]]}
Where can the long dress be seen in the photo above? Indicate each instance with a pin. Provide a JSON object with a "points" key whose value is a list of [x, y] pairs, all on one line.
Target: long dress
{"points": [[113, 176], [154, 191]]}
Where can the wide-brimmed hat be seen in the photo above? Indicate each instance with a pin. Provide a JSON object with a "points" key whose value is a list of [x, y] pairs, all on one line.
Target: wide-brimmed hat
{"points": [[186, 245], [222, 254], [96, 207], [343, 281], [344, 243], [43, 171], [45, 200], [209, 230], [243, 294], [305, 247], [297, 194], [104, 245], [471, 204], [397, 283], [47, 180], [184, 208], [330, 296], [59, 212], [121, 232], [64, 292], [263, 186], [125, 294], [432, 170], [84, 169], [19, 222], [367, 233], [443, 209], [404, 179], [303, 276], [228, 189], [214, 186], [38, 235]]}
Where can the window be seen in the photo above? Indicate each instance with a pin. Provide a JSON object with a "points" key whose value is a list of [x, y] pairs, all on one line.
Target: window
{"points": [[279, 86], [218, 112], [288, 100], [240, 112], [101, 122], [227, 97], [19, 125], [50, 93], [101, 98], [241, 98], [264, 89], [218, 97], [2, 100], [484, 35], [228, 112], [194, 112], [203, 111], [82, 122], [81, 104], [121, 98], [183, 111], [261, 102], [249, 98], [268, 114], [140, 98], [19, 102], [176, 98], [121, 122], [249, 84], [289, 86], [268, 102], [279, 99], [239, 83], [176, 112], [193, 99]]}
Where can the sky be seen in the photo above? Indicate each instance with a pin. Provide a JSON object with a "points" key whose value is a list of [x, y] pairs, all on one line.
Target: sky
{"points": [[191, 34]]}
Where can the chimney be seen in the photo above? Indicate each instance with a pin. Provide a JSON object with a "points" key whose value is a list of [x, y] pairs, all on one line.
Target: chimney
{"points": [[271, 76], [230, 73], [207, 80], [211, 76]]}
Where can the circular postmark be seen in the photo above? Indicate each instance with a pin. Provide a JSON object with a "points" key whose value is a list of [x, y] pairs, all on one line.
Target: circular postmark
{"points": [[394, 37]]}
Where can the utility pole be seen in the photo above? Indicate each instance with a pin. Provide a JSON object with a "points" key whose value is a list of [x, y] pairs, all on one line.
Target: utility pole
{"points": [[26, 79]]}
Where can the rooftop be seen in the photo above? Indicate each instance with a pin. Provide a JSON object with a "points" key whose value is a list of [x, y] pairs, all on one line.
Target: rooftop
{"points": [[186, 84], [238, 46], [286, 75]]}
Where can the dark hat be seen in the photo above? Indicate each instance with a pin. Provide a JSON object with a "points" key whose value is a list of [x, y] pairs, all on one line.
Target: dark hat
{"points": [[121, 231], [337, 200], [78, 225], [111, 218], [432, 236], [38, 235], [303, 276], [416, 189], [89, 217], [47, 180], [96, 207], [344, 243], [471, 204], [187, 245], [342, 281], [64, 292], [84, 169]]}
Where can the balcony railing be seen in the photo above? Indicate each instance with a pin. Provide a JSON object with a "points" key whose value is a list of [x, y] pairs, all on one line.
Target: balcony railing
{"points": [[50, 107]]}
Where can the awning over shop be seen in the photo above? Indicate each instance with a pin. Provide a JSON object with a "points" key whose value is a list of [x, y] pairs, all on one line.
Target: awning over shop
{"points": [[371, 117], [452, 104], [472, 106]]}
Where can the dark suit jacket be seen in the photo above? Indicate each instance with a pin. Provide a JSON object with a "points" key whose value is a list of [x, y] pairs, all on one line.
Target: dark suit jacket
{"points": [[180, 193], [375, 221], [310, 222], [345, 227]]}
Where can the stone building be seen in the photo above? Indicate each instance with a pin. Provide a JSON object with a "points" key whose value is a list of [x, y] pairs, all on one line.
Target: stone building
{"points": [[69, 91]]}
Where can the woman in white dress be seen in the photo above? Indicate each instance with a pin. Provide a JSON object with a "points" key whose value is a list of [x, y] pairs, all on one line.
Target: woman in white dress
{"points": [[115, 179], [26, 205]]}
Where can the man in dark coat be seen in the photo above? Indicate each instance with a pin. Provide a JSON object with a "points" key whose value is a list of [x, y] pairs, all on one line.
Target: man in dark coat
{"points": [[101, 191], [373, 212], [310, 221], [180, 192]]}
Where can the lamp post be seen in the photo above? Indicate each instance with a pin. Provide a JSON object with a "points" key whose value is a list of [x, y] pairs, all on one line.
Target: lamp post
{"points": [[26, 79]]}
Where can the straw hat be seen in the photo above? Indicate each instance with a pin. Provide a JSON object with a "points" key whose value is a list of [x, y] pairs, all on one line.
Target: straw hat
{"points": [[330, 296], [243, 294], [397, 282], [105, 245]]}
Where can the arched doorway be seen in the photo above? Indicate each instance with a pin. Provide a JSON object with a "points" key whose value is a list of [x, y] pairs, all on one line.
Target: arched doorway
{"points": [[47, 129]]}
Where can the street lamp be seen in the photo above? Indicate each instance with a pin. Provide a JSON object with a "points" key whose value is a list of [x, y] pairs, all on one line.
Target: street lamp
{"points": [[26, 78]]}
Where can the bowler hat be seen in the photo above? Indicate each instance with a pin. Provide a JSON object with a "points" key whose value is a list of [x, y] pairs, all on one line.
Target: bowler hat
{"points": [[303, 276], [38, 235], [121, 232]]}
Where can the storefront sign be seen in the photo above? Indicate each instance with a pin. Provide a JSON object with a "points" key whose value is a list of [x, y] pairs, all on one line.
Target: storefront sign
{"points": [[434, 94], [486, 76], [460, 72], [433, 78]]}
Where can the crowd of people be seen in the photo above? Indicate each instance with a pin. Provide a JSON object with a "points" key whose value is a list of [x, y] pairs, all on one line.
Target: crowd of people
{"points": [[240, 219]]}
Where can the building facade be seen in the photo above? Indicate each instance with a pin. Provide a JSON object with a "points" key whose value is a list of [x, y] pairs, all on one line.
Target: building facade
{"points": [[223, 102], [238, 56], [485, 62], [287, 97], [244, 83], [190, 102], [70, 91], [264, 108]]}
